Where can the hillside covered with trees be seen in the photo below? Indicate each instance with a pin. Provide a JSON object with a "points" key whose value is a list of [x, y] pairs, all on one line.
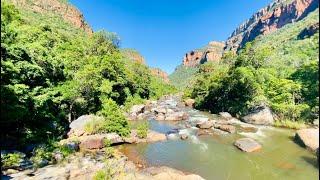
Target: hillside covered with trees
{"points": [[53, 72]]}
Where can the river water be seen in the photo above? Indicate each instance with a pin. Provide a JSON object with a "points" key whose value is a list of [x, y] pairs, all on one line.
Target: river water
{"points": [[215, 157]]}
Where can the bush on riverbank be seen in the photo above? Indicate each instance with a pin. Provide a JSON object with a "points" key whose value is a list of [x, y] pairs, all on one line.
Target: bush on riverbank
{"points": [[142, 130]]}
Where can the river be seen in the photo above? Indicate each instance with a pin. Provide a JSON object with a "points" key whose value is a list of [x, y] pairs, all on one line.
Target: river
{"points": [[213, 156]]}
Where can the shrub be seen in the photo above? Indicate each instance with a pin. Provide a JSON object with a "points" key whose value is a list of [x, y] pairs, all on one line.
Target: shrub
{"points": [[142, 130], [11, 160], [102, 175], [114, 121], [290, 124]]}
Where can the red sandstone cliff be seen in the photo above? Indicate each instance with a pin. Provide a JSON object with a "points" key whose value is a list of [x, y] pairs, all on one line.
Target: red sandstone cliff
{"points": [[212, 52], [269, 19], [67, 11]]}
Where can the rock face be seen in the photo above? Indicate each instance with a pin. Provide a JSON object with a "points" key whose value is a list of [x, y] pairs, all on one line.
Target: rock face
{"points": [[261, 116], [309, 137], [161, 74], [68, 12], [247, 145], [212, 52], [269, 19]]}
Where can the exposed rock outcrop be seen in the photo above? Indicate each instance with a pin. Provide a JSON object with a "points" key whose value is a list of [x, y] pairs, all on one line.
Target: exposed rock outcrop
{"points": [[67, 11], [212, 52], [269, 19], [161, 74]]}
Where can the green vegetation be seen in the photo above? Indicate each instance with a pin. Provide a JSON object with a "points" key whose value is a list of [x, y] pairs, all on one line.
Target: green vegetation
{"points": [[278, 70], [142, 130], [102, 175], [11, 160], [290, 124], [182, 76], [53, 73]]}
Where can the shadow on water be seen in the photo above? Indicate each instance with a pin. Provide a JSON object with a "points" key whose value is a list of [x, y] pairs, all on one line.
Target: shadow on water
{"points": [[297, 141], [312, 161]]}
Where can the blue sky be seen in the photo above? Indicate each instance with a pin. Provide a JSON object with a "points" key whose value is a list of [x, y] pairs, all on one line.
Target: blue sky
{"points": [[164, 30]]}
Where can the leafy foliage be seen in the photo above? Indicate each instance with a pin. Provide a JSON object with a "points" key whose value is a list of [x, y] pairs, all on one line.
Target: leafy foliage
{"points": [[53, 73], [142, 130], [278, 70], [182, 76]]}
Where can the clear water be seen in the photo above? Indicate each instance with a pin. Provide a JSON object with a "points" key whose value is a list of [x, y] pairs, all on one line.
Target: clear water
{"points": [[215, 156]]}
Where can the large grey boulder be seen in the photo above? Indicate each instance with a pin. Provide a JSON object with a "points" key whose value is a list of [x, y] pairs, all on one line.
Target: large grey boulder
{"points": [[137, 109], [261, 116], [176, 116], [309, 138], [77, 126], [247, 145]]}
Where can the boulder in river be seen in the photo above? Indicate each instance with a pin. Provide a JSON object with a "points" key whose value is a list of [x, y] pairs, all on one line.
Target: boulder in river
{"points": [[247, 145], [189, 102], [205, 124], [261, 116], [183, 136], [225, 115], [309, 138], [227, 128], [176, 116], [137, 109], [160, 117]]}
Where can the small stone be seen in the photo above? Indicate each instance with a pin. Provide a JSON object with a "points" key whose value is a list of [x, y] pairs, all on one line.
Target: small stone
{"points": [[183, 136], [189, 102]]}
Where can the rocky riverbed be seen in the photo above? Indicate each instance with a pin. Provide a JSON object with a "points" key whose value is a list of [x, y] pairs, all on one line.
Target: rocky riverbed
{"points": [[186, 139]]}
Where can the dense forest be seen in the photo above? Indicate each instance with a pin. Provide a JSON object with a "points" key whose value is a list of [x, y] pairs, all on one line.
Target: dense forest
{"points": [[53, 72]]}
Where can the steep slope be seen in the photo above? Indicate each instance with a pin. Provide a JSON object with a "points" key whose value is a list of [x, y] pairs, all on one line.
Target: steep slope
{"points": [[269, 19], [55, 7], [279, 70], [182, 76]]}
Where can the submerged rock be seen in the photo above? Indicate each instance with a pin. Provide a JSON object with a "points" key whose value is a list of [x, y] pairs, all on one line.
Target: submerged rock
{"points": [[247, 145], [261, 116], [309, 138]]}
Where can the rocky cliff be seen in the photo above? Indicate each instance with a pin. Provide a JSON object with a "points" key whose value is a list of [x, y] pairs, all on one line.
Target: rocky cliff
{"points": [[59, 7], [159, 73], [269, 19], [212, 52]]}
